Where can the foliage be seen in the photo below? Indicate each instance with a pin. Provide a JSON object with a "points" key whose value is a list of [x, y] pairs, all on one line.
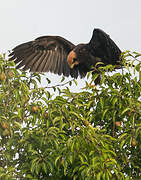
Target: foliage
{"points": [[93, 134]]}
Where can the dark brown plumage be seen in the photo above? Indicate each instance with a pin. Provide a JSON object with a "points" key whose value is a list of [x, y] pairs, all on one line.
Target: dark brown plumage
{"points": [[60, 56]]}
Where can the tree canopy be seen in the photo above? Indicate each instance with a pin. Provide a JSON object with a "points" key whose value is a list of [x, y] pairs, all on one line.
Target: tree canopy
{"points": [[93, 134]]}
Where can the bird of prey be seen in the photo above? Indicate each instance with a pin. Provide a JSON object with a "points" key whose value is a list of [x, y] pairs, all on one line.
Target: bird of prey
{"points": [[57, 55]]}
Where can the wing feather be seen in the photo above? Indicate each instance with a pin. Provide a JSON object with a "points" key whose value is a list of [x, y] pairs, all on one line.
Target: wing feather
{"points": [[104, 47], [49, 62], [36, 61], [56, 64], [59, 64], [53, 62], [46, 60], [44, 54], [39, 67], [30, 60], [26, 60]]}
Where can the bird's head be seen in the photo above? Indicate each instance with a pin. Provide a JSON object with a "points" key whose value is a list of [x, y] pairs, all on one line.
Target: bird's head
{"points": [[72, 59]]}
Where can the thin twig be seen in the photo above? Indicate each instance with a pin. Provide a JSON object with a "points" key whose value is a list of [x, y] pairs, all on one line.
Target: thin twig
{"points": [[58, 85]]}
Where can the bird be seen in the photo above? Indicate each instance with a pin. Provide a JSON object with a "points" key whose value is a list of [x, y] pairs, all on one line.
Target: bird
{"points": [[58, 55]]}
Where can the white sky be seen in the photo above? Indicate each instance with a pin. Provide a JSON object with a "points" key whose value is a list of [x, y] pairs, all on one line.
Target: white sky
{"points": [[25, 20]]}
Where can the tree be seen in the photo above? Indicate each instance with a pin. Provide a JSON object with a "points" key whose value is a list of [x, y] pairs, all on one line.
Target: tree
{"points": [[94, 134]]}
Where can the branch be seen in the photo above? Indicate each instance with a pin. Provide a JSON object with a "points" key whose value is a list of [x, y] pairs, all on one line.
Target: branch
{"points": [[58, 85]]}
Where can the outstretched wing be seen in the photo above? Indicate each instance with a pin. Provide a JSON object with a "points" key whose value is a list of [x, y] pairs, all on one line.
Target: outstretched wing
{"points": [[44, 54], [104, 47]]}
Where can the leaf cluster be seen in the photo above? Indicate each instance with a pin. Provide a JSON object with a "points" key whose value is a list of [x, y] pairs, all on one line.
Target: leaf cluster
{"points": [[93, 134]]}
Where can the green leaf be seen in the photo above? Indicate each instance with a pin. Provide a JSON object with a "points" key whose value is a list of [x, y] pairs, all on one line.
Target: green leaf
{"points": [[70, 83], [122, 143], [75, 114], [75, 82], [122, 136], [20, 113], [114, 101], [63, 78], [138, 67], [38, 168], [99, 175], [57, 159], [44, 167], [17, 124], [125, 110], [48, 81], [104, 112], [33, 164]]}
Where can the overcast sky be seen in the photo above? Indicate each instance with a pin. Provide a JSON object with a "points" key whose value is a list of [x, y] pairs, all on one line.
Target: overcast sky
{"points": [[24, 20]]}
